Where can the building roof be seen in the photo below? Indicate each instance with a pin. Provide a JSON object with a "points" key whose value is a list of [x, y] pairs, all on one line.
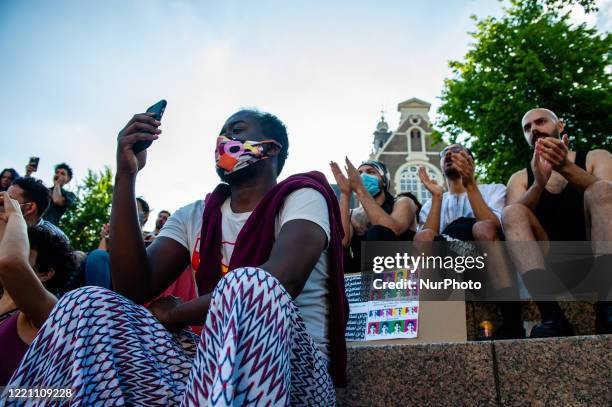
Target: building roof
{"points": [[413, 102]]}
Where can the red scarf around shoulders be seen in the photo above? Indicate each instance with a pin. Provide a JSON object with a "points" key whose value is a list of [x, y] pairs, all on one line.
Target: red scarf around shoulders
{"points": [[254, 245]]}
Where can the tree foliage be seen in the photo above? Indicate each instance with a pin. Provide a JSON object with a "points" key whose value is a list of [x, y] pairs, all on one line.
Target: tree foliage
{"points": [[84, 221], [530, 57]]}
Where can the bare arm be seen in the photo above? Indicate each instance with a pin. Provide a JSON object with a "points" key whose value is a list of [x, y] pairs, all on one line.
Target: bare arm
{"points": [[345, 213], [516, 187], [56, 195], [292, 271], [16, 275], [479, 206], [437, 192], [302, 236], [130, 268], [599, 166], [555, 152], [398, 221], [465, 165], [517, 191], [577, 177], [433, 217], [136, 273], [345, 203], [104, 234]]}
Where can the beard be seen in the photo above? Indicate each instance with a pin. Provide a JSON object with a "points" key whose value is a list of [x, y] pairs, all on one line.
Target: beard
{"points": [[242, 175], [540, 134], [451, 172]]}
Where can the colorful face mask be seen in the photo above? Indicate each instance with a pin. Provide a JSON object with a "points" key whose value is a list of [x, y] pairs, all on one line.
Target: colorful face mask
{"points": [[371, 183], [232, 155]]}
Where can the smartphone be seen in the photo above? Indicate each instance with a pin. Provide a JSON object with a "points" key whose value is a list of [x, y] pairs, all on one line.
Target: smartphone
{"points": [[158, 109], [34, 163]]}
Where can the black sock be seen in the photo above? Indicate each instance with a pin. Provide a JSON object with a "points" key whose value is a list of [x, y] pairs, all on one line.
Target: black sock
{"points": [[550, 310]]}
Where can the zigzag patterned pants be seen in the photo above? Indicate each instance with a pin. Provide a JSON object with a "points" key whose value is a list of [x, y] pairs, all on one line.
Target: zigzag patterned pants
{"points": [[254, 350]]}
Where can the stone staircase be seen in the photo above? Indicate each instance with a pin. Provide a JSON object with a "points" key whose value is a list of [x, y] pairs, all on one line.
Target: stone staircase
{"points": [[572, 371]]}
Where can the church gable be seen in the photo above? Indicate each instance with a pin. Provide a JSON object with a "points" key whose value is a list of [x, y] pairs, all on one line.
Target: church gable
{"points": [[408, 148], [415, 120], [413, 103], [396, 144]]}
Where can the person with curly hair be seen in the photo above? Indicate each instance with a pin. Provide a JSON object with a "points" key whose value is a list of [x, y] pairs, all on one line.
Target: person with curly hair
{"points": [[35, 269], [7, 176]]}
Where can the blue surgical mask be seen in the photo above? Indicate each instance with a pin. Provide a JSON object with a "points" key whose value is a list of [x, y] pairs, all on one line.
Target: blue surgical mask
{"points": [[371, 183]]}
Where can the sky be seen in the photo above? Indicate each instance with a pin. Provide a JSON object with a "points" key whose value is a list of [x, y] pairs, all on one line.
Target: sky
{"points": [[73, 73]]}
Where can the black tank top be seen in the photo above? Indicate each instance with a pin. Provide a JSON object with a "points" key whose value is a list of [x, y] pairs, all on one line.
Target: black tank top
{"points": [[562, 215]]}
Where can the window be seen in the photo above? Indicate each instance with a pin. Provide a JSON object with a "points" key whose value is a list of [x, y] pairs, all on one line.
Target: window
{"points": [[410, 182], [416, 143]]}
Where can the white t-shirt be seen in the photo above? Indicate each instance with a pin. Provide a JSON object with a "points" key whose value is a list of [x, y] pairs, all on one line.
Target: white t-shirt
{"points": [[455, 206], [184, 226]]}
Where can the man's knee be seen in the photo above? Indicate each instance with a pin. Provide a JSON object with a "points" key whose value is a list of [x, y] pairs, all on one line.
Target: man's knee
{"points": [[485, 230], [598, 194], [514, 215], [425, 235]]}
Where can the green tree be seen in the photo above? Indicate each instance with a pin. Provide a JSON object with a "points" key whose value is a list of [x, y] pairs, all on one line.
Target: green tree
{"points": [[530, 57], [84, 221]]}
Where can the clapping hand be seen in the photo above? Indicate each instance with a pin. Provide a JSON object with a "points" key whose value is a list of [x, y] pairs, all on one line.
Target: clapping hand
{"points": [[541, 168], [342, 182], [430, 184], [465, 166], [354, 176], [554, 151]]}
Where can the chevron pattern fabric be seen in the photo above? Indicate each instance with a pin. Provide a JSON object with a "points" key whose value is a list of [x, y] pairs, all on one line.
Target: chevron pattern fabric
{"points": [[254, 350], [109, 350]]}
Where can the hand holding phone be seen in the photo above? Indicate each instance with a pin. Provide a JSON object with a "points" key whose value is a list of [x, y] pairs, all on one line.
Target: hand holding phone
{"points": [[32, 166], [135, 137], [158, 111]]}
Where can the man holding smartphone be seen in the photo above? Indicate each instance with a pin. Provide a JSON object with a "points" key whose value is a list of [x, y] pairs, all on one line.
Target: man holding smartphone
{"points": [[61, 199], [274, 322], [32, 166]]}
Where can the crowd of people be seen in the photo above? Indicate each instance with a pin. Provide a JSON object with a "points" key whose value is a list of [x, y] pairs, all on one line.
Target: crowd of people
{"points": [[271, 323]]}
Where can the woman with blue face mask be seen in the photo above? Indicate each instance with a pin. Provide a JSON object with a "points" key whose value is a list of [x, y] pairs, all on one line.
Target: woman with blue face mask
{"points": [[380, 216]]}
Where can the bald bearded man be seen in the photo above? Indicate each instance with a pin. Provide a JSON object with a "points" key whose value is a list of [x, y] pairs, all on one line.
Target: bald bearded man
{"points": [[562, 196]]}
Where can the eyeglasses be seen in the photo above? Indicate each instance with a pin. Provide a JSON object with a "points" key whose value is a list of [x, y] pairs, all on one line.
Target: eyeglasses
{"points": [[452, 149]]}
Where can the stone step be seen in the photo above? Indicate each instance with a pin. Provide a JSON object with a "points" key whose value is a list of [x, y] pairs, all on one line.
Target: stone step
{"points": [[572, 371]]}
